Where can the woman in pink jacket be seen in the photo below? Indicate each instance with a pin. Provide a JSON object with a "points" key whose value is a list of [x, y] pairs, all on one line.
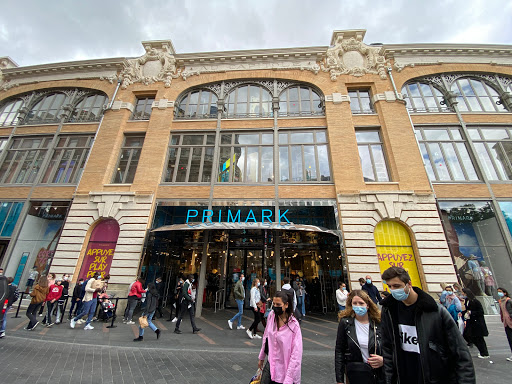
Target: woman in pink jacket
{"points": [[282, 343]]}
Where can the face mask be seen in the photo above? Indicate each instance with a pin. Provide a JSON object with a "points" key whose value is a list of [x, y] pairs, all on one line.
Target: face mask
{"points": [[360, 311], [265, 284], [343, 288], [243, 278], [66, 278], [450, 293], [193, 280], [259, 283], [400, 294], [501, 294], [278, 311], [368, 281], [296, 279]]}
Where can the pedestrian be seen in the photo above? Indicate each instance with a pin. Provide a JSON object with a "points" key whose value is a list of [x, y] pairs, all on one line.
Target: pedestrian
{"points": [[420, 341], [160, 287], [178, 294], [51, 281], [32, 277], [282, 344], [301, 299], [90, 302], [265, 299], [51, 300], [288, 288], [506, 315], [38, 295], [476, 328], [134, 297], [187, 304], [451, 303], [371, 289], [76, 299], [62, 299], [239, 294], [11, 298], [358, 352], [151, 307], [341, 296], [362, 282], [255, 303]]}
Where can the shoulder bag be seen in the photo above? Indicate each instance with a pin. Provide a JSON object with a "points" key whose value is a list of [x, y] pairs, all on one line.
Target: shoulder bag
{"points": [[359, 371]]}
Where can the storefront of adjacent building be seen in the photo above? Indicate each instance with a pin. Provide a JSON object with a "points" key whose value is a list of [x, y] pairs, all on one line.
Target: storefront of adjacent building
{"points": [[323, 163]]}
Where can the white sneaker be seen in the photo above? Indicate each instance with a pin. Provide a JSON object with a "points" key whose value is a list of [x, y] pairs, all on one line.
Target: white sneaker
{"points": [[249, 333], [230, 324], [240, 327], [174, 320], [483, 357], [509, 358], [72, 323], [256, 336], [130, 322], [88, 326]]}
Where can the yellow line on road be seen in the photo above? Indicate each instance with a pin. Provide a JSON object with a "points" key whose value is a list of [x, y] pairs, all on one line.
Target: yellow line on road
{"points": [[206, 338], [23, 323], [311, 330], [212, 324], [316, 342], [159, 324]]}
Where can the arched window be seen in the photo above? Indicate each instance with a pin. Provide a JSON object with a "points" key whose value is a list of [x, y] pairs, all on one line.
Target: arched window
{"points": [[88, 109], [249, 101], [9, 112], [197, 104], [423, 97], [300, 101], [476, 96], [47, 109]]}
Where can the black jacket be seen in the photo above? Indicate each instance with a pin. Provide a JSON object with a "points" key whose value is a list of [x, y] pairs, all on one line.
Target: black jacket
{"points": [[372, 291], [444, 355], [347, 351], [151, 301], [77, 292], [475, 325]]}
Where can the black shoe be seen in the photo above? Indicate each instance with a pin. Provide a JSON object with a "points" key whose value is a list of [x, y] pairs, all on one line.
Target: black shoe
{"points": [[177, 331], [197, 330], [157, 334], [140, 338]]}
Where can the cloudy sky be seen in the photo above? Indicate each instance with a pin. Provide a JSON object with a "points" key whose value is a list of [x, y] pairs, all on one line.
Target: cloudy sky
{"points": [[43, 31]]}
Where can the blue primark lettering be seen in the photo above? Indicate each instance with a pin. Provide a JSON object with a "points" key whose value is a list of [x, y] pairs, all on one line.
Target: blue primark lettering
{"points": [[206, 216], [268, 217], [250, 216], [232, 219], [189, 216], [283, 216]]}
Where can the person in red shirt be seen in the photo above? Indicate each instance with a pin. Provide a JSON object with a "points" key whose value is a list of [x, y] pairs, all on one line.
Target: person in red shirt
{"points": [[134, 296], [51, 299]]}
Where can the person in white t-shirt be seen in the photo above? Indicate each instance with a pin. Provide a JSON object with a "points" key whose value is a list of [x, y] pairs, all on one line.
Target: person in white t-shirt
{"points": [[341, 296]]}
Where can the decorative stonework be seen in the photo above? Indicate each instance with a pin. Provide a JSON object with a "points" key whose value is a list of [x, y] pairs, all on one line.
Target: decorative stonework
{"points": [[157, 64], [337, 98], [388, 96], [362, 212], [162, 104], [350, 56]]}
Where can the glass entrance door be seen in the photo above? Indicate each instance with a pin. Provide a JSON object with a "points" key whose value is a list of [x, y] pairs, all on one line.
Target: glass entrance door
{"points": [[246, 261]]}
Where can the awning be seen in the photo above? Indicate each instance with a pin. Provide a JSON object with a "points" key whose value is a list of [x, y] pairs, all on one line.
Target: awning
{"points": [[226, 226]]}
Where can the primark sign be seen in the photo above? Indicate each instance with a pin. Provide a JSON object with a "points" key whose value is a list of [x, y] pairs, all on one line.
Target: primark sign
{"points": [[235, 216]]}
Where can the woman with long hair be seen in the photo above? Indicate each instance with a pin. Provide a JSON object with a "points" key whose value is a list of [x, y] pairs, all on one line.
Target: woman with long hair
{"points": [[255, 304], [282, 344], [358, 352], [506, 315], [476, 328], [38, 295], [151, 306]]}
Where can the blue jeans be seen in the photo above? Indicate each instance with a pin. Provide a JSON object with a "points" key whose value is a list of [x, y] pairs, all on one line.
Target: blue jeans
{"points": [[238, 316], [150, 324], [341, 308], [88, 307], [301, 304], [4, 321]]}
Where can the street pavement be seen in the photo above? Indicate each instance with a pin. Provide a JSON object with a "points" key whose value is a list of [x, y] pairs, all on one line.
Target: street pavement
{"points": [[215, 355]]}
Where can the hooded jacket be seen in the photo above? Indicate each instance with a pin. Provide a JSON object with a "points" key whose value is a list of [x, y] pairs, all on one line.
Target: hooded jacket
{"points": [[55, 292], [444, 355], [38, 294], [151, 301]]}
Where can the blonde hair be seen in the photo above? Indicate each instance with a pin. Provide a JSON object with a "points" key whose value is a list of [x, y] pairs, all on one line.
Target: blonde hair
{"points": [[373, 310], [255, 282]]}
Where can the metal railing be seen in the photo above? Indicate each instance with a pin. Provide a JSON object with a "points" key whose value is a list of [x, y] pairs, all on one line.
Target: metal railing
{"points": [[220, 301]]}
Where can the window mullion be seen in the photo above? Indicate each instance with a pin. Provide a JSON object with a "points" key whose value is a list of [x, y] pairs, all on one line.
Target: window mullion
{"points": [[83, 156], [448, 165], [128, 165], [507, 164], [468, 105], [56, 164], [372, 160], [431, 159], [68, 162], [459, 159], [189, 163], [8, 170], [177, 163]]}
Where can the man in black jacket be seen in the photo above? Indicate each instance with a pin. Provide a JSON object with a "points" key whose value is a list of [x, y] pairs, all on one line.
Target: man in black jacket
{"points": [[187, 304], [371, 290], [421, 343]]}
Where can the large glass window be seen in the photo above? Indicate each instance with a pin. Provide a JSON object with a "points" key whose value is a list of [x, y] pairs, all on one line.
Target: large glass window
{"points": [[249, 101], [445, 155], [24, 159], [476, 96], [9, 213], [360, 101], [128, 159], [494, 149], [48, 109], [477, 245], [190, 158], [142, 109], [371, 154], [303, 156], [246, 157], [422, 97], [68, 160], [300, 101], [9, 112], [88, 109], [197, 104]]}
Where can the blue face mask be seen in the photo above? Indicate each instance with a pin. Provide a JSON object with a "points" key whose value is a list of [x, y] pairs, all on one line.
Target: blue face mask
{"points": [[501, 294], [400, 294], [368, 281], [360, 311], [258, 284], [343, 288]]}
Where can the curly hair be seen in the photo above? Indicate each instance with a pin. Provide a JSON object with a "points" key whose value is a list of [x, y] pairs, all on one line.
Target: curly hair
{"points": [[373, 310]]}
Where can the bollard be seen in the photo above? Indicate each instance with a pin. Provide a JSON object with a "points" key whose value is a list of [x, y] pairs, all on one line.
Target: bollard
{"points": [[19, 306], [114, 315]]}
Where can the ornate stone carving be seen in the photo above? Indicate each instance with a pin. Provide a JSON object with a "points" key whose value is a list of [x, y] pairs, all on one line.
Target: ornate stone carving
{"points": [[348, 55], [157, 64]]}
